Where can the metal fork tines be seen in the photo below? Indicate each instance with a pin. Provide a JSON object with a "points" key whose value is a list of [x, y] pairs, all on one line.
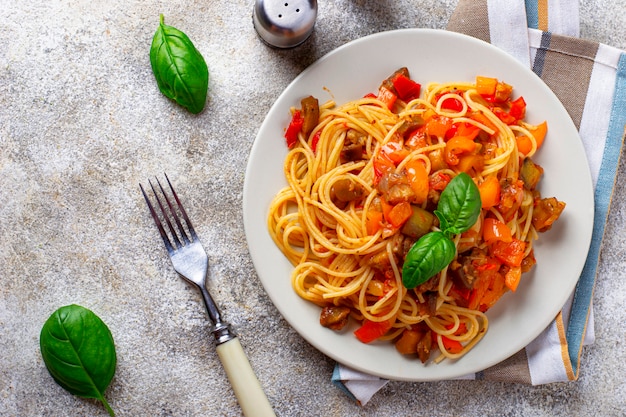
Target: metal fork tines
{"points": [[188, 256]]}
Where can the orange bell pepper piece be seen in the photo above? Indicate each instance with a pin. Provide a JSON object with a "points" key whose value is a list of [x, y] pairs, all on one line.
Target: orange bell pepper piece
{"points": [[456, 146], [513, 277], [438, 126], [399, 214], [494, 230], [489, 191], [418, 180], [481, 118], [386, 209], [374, 222], [539, 132], [486, 86], [394, 151]]}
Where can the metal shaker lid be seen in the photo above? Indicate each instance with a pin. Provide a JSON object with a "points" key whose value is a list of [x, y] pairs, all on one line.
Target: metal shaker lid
{"points": [[284, 23]]}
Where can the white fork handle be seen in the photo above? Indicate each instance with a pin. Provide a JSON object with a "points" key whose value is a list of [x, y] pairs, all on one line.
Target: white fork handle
{"points": [[248, 391]]}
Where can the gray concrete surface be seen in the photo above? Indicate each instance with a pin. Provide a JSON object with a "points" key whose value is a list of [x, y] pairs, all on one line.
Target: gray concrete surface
{"points": [[82, 123]]}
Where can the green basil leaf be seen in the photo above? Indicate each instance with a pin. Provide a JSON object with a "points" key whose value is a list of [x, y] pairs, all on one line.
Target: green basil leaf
{"points": [[180, 70], [459, 205], [428, 256], [78, 350]]}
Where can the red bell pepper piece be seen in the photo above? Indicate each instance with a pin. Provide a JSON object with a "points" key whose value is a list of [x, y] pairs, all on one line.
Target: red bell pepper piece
{"points": [[295, 127], [504, 116], [387, 96], [451, 346], [315, 140], [518, 108], [372, 330], [452, 104], [406, 88], [382, 164]]}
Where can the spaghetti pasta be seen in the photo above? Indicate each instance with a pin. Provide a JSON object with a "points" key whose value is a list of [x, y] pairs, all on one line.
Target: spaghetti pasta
{"points": [[362, 188]]}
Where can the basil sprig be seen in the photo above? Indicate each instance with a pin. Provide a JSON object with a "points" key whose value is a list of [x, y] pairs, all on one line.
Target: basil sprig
{"points": [[78, 350], [458, 209], [179, 68]]}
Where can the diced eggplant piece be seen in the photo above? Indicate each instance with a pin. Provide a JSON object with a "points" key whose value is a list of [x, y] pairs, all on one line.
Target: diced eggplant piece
{"points": [[346, 190], [334, 317], [530, 173], [424, 346], [310, 114], [437, 160], [353, 146], [388, 83], [420, 223], [546, 211], [411, 123], [352, 152], [400, 193]]}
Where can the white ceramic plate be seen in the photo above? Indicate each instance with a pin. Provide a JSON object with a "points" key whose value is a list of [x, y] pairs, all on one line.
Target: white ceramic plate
{"points": [[357, 68]]}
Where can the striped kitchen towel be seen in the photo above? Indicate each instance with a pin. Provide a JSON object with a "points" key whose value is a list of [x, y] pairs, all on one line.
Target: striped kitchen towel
{"points": [[590, 80]]}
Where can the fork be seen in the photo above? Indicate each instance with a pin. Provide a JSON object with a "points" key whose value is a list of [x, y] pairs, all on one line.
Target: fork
{"points": [[191, 262]]}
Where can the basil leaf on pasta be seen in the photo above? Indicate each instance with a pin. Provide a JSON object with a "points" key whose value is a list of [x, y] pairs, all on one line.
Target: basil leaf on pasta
{"points": [[428, 256]]}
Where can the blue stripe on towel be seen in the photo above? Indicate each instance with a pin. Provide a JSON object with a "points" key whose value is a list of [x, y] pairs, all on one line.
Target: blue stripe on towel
{"points": [[532, 14], [604, 190], [540, 55]]}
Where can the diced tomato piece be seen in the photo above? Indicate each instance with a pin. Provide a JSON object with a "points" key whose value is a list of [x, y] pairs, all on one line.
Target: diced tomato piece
{"points": [[372, 330]]}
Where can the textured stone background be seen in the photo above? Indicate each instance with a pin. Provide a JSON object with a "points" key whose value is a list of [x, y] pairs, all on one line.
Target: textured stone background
{"points": [[82, 123]]}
